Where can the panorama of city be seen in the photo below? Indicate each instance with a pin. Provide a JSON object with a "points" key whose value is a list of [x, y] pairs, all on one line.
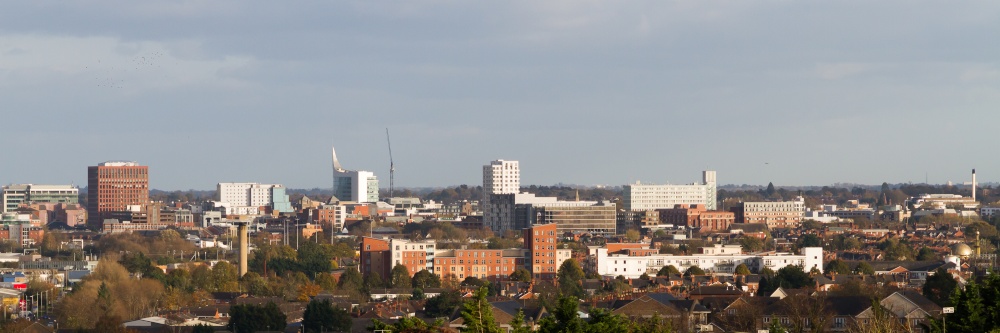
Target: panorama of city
{"points": [[518, 166], [497, 256]]}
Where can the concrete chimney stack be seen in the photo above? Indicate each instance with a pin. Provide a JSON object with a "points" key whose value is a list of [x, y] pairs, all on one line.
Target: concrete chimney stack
{"points": [[973, 184], [244, 239]]}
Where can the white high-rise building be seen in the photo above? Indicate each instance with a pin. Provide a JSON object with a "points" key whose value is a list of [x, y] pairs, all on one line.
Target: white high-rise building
{"points": [[353, 185], [499, 177], [642, 197], [247, 198]]}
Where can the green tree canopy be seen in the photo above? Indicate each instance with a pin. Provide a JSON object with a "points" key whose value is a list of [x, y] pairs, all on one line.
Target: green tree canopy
{"points": [[742, 269], [321, 316], [351, 280], [694, 270], [570, 276], [443, 304], [837, 266], [425, 279], [400, 277], [250, 318], [668, 270], [939, 287], [477, 314], [521, 274], [864, 268]]}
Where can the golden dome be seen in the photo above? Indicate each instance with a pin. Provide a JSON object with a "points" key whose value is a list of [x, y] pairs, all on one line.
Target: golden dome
{"points": [[962, 250]]}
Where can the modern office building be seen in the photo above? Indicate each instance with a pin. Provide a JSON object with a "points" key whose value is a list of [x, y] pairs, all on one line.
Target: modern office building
{"points": [[248, 198], [112, 187], [500, 177], [640, 197], [597, 218], [779, 214], [353, 185], [15, 196]]}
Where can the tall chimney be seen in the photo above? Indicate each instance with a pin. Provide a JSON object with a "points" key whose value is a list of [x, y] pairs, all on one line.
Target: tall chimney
{"points": [[241, 228], [973, 184]]}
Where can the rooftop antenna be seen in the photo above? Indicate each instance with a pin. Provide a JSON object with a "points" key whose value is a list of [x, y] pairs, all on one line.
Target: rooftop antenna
{"points": [[392, 167]]}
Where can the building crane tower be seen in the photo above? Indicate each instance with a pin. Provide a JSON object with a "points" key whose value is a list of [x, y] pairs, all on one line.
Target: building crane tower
{"points": [[392, 167]]}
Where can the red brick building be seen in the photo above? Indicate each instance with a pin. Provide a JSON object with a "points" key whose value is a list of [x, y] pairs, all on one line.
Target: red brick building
{"points": [[375, 257], [112, 187], [483, 264], [543, 244], [381, 255], [697, 217]]}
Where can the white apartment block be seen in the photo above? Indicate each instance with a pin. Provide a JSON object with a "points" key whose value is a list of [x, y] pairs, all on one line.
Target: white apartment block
{"points": [[16, 195], [247, 198], [499, 177], [643, 197], [716, 259]]}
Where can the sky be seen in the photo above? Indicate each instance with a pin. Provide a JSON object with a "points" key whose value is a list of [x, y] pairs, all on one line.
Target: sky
{"points": [[580, 92]]}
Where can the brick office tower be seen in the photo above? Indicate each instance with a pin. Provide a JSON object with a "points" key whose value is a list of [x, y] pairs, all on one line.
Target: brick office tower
{"points": [[112, 187]]}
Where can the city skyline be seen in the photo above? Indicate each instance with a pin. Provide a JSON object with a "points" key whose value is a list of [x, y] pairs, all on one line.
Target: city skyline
{"points": [[581, 93]]}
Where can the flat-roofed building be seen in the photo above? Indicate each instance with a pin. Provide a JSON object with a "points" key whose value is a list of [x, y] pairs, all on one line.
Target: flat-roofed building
{"points": [[713, 259], [777, 214], [576, 217], [483, 264], [697, 217], [112, 187], [640, 197], [15, 196], [544, 255]]}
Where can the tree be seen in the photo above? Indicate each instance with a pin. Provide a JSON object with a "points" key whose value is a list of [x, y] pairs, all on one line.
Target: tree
{"points": [[926, 253], [425, 279], [742, 269], [564, 318], [521, 274], [325, 281], [770, 189], [400, 277], [249, 318], [443, 304], [224, 277], [793, 277], [517, 325], [668, 270], [570, 276], [939, 287], [477, 314], [864, 268], [810, 240], [632, 235], [373, 281], [321, 316], [307, 291], [202, 328], [751, 244], [775, 327], [351, 280], [694, 270], [837, 266], [970, 311]]}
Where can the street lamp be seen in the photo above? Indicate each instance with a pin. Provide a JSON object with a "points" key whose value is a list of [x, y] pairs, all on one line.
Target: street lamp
{"points": [[944, 317]]}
